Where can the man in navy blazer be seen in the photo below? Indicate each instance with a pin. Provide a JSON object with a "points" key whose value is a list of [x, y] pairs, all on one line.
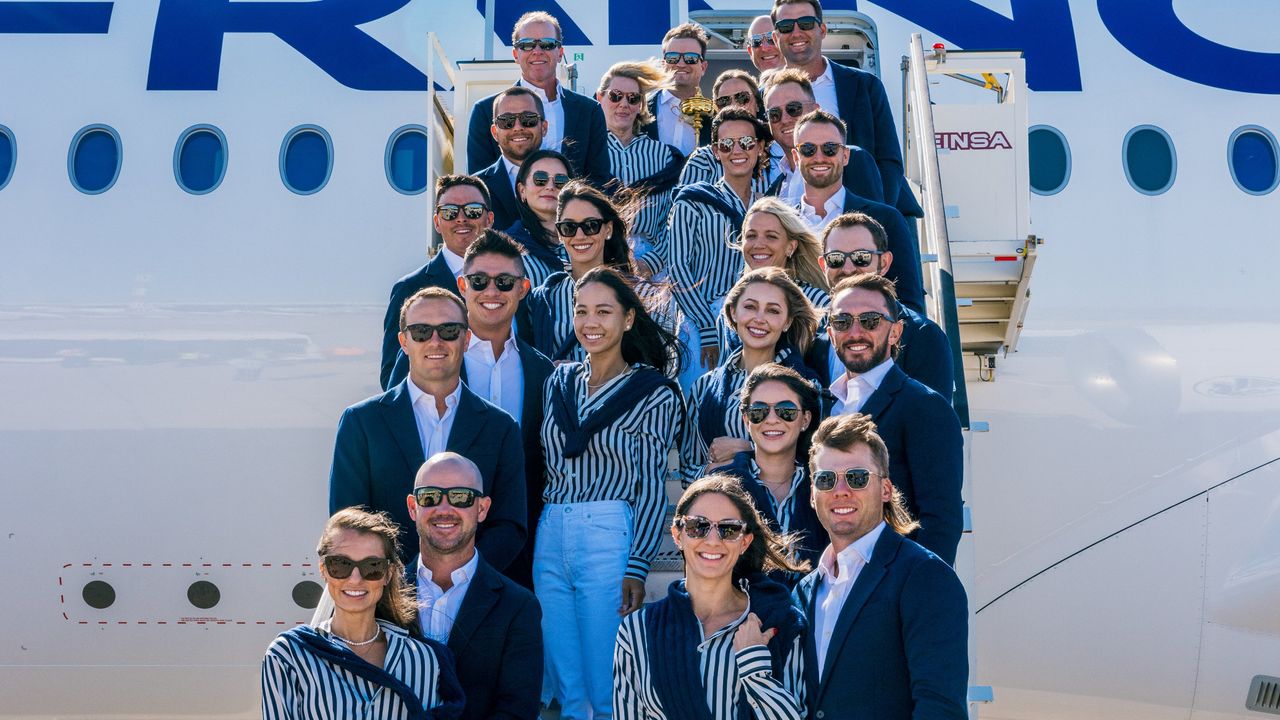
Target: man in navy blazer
{"points": [[923, 351], [504, 369], [382, 441], [926, 457], [856, 95], [514, 145], [491, 625], [575, 122], [888, 620], [670, 126]]}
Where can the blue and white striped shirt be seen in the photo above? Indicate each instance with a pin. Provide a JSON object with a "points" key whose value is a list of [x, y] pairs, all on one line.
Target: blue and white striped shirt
{"points": [[785, 510], [298, 684], [704, 258], [641, 158]]}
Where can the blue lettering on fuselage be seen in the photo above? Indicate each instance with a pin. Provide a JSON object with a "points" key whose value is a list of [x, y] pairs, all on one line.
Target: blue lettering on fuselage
{"points": [[75, 18]]}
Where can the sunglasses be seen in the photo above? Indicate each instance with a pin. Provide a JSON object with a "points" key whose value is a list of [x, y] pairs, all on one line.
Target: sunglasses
{"points": [[806, 23], [505, 282], [527, 119], [739, 98], [460, 497], [870, 320], [569, 228], [618, 96], [794, 109], [857, 478], [786, 411], [542, 177], [697, 527], [527, 44], [829, 149], [860, 258], [339, 567], [689, 58], [724, 145], [422, 332], [756, 41], [471, 211]]}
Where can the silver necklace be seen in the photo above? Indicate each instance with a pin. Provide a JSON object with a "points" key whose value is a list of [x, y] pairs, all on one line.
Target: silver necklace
{"points": [[377, 632]]}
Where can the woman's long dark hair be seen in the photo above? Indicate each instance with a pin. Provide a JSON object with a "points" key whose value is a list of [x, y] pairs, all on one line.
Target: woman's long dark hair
{"points": [[617, 253], [768, 550], [646, 342], [528, 218]]}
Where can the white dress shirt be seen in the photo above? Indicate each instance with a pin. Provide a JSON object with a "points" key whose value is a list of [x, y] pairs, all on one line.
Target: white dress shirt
{"points": [[433, 429], [792, 187], [453, 260], [833, 588], [553, 113], [672, 128], [437, 609], [852, 393], [499, 380], [819, 218], [824, 90], [512, 170]]}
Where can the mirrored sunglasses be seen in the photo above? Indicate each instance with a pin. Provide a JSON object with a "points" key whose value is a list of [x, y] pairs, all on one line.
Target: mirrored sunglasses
{"points": [[697, 527], [870, 320], [461, 497]]}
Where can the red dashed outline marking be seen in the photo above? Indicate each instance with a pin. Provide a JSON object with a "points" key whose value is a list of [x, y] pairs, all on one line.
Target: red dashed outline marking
{"points": [[62, 598]]}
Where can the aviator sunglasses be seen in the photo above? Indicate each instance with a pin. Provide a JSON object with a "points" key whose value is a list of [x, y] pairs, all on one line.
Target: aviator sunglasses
{"points": [[829, 149], [459, 497], [689, 58], [806, 23], [569, 228], [870, 320], [422, 332], [860, 258], [471, 211], [741, 97], [697, 527], [528, 119], [544, 44], [857, 478], [758, 412], [505, 282], [756, 41], [632, 98], [794, 109], [724, 145], [339, 567], [542, 177]]}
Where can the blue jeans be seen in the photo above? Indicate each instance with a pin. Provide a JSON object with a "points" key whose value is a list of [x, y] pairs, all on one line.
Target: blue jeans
{"points": [[578, 563]]}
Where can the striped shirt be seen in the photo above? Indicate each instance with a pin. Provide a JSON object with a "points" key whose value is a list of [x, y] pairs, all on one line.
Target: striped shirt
{"points": [[298, 684], [704, 259], [786, 509], [702, 166], [639, 159], [725, 674], [626, 461]]}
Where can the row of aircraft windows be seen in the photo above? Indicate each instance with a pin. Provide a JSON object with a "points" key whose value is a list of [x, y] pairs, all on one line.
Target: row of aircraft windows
{"points": [[1151, 163], [306, 159]]}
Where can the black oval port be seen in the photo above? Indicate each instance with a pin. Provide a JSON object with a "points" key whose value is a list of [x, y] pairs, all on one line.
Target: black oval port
{"points": [[307, 594], [98, 594], [203, 594]]}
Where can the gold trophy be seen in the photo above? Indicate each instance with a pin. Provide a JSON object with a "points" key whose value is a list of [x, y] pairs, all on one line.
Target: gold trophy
{"points": [[696, 108]]}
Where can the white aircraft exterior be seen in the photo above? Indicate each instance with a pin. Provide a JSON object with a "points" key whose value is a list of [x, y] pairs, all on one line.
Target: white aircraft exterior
{"points": [[173, 365]]}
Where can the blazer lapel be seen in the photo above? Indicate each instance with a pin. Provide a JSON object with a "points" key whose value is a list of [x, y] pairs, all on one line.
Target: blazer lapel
{"points": [[883, 396], [439, 274], [808, 594], [652, 128], [403, 426], [870, 576], [503, 195], [532, 383], [469, 418], [481, 596]]}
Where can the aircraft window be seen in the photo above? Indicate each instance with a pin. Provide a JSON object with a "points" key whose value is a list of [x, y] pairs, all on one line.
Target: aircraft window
{"points": [[406, 159], [306, 159], [8, 156], [1050, 159], [203, 594], [200, 159], [306, 594], [94, 159], [1251, 154], [98, 595], [1150, 162]]}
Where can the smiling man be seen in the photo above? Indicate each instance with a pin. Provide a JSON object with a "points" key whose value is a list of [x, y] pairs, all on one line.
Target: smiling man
{"points": [[684, 54], [382, 441], [760, 45], [519, 126]]}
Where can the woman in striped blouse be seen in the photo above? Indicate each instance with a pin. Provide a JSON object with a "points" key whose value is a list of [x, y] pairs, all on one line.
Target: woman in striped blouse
{"points": [[648, 169], [362, 662], [726, 641], [776, 324], [538, 184], [610, 424], [733, 88], [781, 409]]}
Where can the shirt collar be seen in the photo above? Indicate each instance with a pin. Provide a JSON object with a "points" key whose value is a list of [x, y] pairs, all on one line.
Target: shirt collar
{"points": [[834, 204], [452, 259], [871, 378], [666, 97], [511, 168], [559, 90], [450, 401], [796, 477], [458, 577], [510, 344], [860, 550], [826, 77]]}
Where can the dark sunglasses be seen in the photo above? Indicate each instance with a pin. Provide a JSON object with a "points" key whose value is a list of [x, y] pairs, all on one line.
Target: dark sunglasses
{"points": [[697, 527], [786, 411], [542, 177], [870, 320], [631, 98], [505, 282], [461, 497], [527, 44], [746, 142], [806, 23], [739, 98], [829, 149], [689, 58], [756, 41], [422, 332], [794, 109], [339, 567], [528, 119], [857, 478], [569, 228], [471, 211], [860, 258]]}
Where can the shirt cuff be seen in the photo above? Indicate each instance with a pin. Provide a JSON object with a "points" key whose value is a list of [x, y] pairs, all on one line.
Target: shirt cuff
{"points": [[708, 336], [754, 660], [637, 568]]}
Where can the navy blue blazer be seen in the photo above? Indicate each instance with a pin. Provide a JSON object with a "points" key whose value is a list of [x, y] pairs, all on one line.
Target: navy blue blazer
{"points": [[434, 274], [926, 457], [900, 646], [860, 177], [505, 206], [865, 109], [496, 643], [378, 452], [905, 272], [924, 353], [704, 133], [584, 138]]}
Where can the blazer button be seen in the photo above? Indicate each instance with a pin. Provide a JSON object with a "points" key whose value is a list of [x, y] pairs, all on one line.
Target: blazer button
{"points": [[821, 715]]}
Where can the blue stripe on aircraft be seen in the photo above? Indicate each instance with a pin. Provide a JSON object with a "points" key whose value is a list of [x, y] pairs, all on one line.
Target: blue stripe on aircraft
{"points": [[78, 18], [506, 12]]}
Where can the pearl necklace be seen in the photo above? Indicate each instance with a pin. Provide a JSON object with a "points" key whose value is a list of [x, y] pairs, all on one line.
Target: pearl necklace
{"points": [[377, 632]]}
